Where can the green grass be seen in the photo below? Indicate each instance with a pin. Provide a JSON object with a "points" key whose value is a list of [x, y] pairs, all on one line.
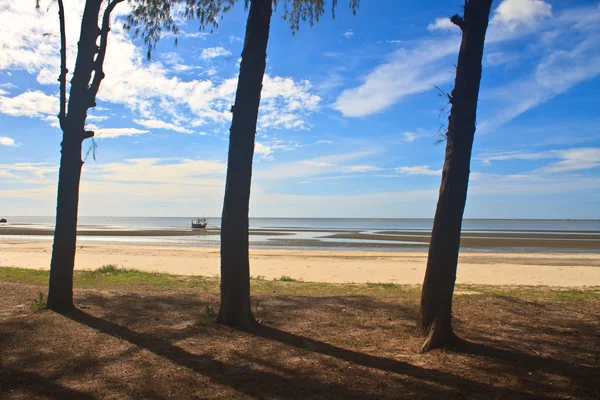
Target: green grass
{"points": [[287, 278], [113, 277], [382, 285], [39, 304]]}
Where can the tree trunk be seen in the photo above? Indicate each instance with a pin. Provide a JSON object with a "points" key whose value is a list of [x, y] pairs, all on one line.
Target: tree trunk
{"points": [[438, 287], [235, 264], [60, 291]]}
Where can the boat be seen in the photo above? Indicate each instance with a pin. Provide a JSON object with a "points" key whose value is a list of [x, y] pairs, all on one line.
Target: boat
{"points": [[3, 221], [199, 223]]}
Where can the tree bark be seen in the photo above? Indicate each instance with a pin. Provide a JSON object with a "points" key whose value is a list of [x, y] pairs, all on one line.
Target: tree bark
{"points": [[435, 319], [60, 291], [235, 309]]}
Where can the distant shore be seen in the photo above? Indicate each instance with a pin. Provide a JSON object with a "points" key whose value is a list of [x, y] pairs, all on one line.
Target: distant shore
{"points": [[335, 266]]}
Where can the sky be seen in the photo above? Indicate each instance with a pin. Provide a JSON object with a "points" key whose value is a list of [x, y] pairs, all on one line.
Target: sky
{"points": [[351, 122]]}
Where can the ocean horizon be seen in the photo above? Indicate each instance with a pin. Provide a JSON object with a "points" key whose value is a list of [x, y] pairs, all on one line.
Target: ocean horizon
{"points": [[469, 224]]}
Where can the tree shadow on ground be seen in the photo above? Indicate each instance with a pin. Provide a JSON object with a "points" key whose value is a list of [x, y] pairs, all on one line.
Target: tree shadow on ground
{"points": [[294, 385], [159, 344], [40, 385]]}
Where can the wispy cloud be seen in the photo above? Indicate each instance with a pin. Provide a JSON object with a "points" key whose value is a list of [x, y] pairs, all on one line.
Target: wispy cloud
{"points": [[408, 72], [158, 124], [214, 52], [409, 137], [348, 34], [111, 133], [318, 166], [418, 170], [573, 57], [570, 160], [6, 141]]}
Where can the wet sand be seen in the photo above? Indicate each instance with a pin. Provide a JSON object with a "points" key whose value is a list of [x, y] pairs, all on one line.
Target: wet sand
{"points": [[403, 240], [573, 241], [336, 266]]}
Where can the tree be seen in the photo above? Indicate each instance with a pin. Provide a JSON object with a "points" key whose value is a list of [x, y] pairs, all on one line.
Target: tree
{"points": [[87, 76], [235, 307], [435, 320]]}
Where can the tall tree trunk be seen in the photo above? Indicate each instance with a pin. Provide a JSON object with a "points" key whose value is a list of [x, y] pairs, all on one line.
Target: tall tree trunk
{"points": [[60, 291], [438, 287], [235, 307]]}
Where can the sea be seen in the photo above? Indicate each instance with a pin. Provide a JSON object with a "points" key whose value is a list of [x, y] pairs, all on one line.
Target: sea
{"points": [[315, 232]]}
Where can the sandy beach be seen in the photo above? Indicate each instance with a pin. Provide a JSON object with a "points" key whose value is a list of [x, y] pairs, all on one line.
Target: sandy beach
{"points": [[336, 266]]}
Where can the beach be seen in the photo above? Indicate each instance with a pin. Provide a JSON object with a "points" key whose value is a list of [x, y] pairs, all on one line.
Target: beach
{"points": [[322, 265]]}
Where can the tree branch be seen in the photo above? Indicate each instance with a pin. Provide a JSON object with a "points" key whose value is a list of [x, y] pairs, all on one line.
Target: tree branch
{"points": [[87, 134], [63, 65], [99, 62], [458, 21]]}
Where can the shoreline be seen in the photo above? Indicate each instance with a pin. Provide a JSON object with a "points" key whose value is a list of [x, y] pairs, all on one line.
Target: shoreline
{"points": [[381, 240], [322, 265]]}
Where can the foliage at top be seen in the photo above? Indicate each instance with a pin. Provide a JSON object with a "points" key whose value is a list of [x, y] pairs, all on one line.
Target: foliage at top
{"points": [[150, 18]]}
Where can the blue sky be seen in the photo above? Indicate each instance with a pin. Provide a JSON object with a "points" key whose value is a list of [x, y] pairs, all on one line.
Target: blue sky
{"points": [[349, 119]]}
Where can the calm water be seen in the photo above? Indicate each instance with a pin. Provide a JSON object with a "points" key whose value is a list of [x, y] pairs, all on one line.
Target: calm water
{"points": [[313, 232], [368, 224]]}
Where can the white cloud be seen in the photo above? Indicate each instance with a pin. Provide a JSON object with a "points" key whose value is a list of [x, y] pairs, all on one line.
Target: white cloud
{"points": [[513, 13], [557, 72], [110, 133], [160, 170], [575, 160], [214, 52], [361, 168], [6, 141], [533, 183], [285, 103], [570, 160], [187, 35], [263, 151], [418, 170], [158, 124], [348, 34], [27, 172], [409, 137], [97, 118], [441, 24], [29, 104], [332, 164], [408, 72], [148, 89], [500, 58]]}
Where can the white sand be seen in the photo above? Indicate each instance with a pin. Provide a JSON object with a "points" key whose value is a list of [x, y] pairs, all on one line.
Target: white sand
{"points": [[548, 269]]}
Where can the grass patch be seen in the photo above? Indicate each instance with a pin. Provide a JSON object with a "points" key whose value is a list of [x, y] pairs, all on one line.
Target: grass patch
{"points": [[112, 277], [39, 304], [209, 312], [287, 278], [382, 285]]}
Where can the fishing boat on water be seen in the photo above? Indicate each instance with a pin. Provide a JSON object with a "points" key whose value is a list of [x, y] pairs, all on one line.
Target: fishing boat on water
{"points": [[199, 223]]}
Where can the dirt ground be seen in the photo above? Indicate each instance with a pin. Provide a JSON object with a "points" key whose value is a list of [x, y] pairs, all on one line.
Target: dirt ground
{"points": [[156, 343]]}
